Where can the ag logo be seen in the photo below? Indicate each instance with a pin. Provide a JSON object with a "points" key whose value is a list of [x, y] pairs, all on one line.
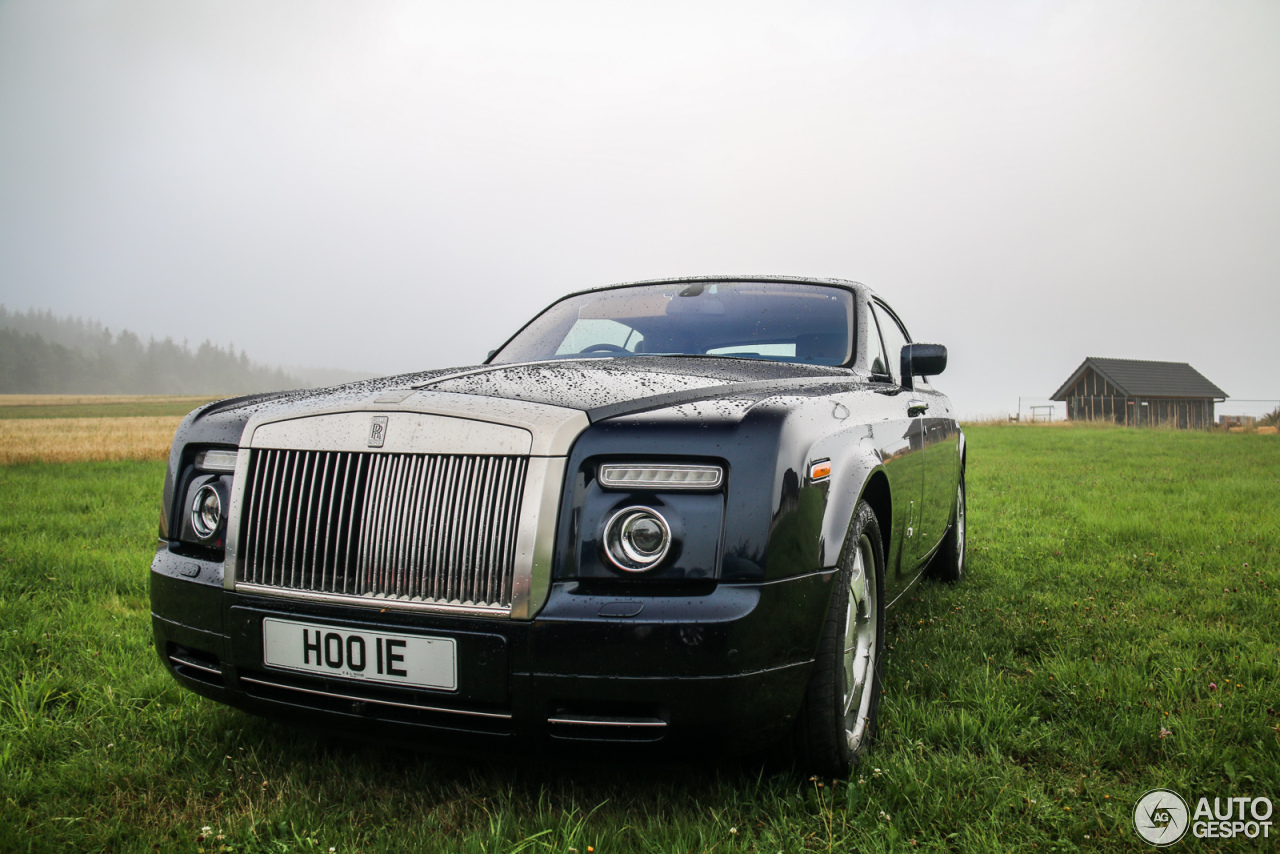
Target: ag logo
{"points": [[1160, 817], [378, 431]]}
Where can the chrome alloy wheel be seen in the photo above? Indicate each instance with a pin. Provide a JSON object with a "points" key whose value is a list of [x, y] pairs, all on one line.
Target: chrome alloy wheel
{"points": [[960, 525], [860, 632]]}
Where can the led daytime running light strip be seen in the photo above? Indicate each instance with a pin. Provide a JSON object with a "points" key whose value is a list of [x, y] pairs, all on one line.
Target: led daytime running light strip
{"points": [[224, 461], [632, 476]]}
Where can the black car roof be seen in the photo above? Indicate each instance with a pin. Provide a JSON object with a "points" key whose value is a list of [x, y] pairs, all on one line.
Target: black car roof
{"points": [[848, 284]]}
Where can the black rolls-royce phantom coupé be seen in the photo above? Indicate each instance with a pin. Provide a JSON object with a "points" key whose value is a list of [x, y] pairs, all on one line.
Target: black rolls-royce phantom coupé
{"points": [[664, 517]]}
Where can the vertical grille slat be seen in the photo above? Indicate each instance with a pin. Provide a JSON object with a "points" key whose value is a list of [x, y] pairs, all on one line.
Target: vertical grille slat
{"points": [[426, 562], [455, 509], [322, 541], [272, 542], [372, 510], [374, 534], [474, 503], [413, 574], [285, 521], [306, 521], [414, 533], [387, 536], [425, 528], [493, 521], [404, 522], [396, 565], [320, 474], [252, 509], [351, 530], [485, 523], [458, 533], [440, 534]]}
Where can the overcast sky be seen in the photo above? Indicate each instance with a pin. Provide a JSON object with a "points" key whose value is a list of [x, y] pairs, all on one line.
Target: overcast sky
{"points": [[390, 186]]}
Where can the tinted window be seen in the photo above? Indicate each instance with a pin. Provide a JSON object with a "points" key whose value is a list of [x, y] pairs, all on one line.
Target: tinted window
{"points": [[875, 348], [895, 338], [748, 320]]}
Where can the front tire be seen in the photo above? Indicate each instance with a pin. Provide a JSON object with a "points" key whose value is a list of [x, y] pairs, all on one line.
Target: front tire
{"points": [[842, 702]]}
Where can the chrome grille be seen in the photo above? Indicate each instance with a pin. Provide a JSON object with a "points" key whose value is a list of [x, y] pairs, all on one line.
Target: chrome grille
{"points": [[423, 528]]}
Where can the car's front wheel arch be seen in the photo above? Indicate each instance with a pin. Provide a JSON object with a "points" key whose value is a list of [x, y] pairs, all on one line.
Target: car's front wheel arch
{"points": [[875, 492]]}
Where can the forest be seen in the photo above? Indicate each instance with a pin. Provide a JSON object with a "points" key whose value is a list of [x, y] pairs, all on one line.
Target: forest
{"points": [[41, 353]]}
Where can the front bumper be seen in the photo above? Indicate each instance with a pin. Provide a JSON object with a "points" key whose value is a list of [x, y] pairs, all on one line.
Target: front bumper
{"points": [[717, 673]]}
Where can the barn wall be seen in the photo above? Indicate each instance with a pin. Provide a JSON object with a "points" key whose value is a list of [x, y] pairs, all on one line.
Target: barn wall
{"points": [[1093, 398], [1179, 413]]}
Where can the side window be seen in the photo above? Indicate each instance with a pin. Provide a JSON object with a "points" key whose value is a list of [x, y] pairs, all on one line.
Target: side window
{"points": [[895, 338], [875, 348]]}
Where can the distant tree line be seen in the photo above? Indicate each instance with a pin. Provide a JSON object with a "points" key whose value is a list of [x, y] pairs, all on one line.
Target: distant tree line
{"points": [[44, 354]]}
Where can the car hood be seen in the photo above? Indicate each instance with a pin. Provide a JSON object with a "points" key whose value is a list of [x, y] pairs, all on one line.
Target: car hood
{"points": [[605, 387], [555, 400], [602, 388]]}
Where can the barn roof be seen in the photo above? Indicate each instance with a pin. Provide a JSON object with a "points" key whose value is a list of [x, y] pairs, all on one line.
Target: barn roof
{"points": [[1139, 378]]}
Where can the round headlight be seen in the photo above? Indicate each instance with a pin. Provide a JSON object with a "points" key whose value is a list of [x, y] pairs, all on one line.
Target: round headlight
{"points": [[637, 539], [206, 512]]}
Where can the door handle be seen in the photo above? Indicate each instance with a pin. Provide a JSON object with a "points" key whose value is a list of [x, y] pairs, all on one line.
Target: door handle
{"points": [[916, 407]]}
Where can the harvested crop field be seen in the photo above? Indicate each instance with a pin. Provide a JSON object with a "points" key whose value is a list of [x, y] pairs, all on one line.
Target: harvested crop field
{"points": [[64, 428], [71, 440]]}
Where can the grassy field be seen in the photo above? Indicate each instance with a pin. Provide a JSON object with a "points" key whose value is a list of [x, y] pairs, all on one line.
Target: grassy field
{"points": [[1117, 633]]}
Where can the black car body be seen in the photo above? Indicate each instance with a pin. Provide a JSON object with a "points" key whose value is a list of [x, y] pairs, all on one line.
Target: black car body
{"points": [[664, 517]]}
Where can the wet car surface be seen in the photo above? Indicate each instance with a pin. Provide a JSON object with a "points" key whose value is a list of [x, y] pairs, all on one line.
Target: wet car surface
{"points": [[665, 518]]}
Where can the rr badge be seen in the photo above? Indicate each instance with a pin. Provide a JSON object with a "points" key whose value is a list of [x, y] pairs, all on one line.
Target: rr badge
{"points": [[378, 431]]}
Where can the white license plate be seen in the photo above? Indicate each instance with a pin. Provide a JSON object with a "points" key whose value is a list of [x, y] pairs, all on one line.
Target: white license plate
{"points": [[367, 656]]}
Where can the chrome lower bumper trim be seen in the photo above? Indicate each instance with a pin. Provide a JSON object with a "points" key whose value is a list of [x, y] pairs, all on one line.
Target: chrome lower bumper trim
{"points": [[185, 661], [595, 720], [354, 698]]}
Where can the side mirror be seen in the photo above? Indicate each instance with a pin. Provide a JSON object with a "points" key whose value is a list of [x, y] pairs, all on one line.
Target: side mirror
{"points": [[926, 360]]}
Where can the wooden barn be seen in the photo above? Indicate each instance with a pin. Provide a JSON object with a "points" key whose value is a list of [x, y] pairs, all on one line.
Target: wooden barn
{"points": [[1140, 393]]}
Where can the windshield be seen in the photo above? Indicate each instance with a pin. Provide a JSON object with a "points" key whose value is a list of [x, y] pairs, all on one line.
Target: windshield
{"points": [[778, 321]]}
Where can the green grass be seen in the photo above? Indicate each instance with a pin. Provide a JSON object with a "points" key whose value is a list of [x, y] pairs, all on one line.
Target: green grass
{"points": [[101, 408], [1114, 575]]}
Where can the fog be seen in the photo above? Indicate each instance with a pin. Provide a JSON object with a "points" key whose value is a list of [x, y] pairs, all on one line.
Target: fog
{"points": [[395, 186]]}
